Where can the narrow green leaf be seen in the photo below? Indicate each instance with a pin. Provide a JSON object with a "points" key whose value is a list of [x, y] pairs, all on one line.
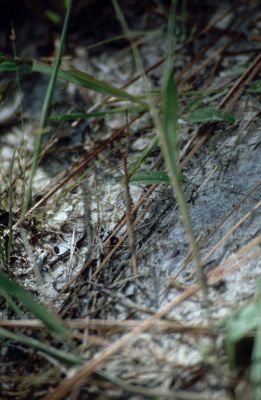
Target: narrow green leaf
{"points": [[144, 155], [72, 75], [9, 66], [10, 208], [62, 356], [53, 17], [209, 114], [149, 178], [98, 114], [46, 109], [85, 80], [52, 323]]}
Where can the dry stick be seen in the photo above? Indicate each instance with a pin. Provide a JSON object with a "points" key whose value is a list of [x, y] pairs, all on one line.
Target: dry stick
{"points": [[111, 325], [129, 216], [232, 262], [234, 94]]}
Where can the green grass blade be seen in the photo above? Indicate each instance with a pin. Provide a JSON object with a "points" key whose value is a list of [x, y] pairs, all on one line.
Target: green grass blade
{"points": [[12, 66], [86, 80], [152, 178], [75, 76], [149, 178], [144, 155], [12, 303], [10, 209], [98, 114], [66, 358], [46, 108], [20, 294]]}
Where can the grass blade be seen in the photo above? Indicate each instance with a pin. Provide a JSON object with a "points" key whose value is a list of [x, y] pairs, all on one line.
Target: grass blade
{"points": [[75, 76], [149, 178], [144, 155], [46, 108], [85, 80], [66, 358], [20, 294], [10, 209], [98, 114]]}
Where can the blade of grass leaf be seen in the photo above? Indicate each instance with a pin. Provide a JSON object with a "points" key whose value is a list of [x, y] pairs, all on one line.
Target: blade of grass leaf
{"points": [[168, 133], [149, 178], [52, 323], [88, 81], [144, 155], [152, 178], [169, 141], [10, 208], [75, 76], [98, 114], [62, 356], [11, 303], [46, 107]]}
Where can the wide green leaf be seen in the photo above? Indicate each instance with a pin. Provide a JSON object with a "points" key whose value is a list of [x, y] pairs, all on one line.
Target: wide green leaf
{"points": [[149, 178], [209, 114]]}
